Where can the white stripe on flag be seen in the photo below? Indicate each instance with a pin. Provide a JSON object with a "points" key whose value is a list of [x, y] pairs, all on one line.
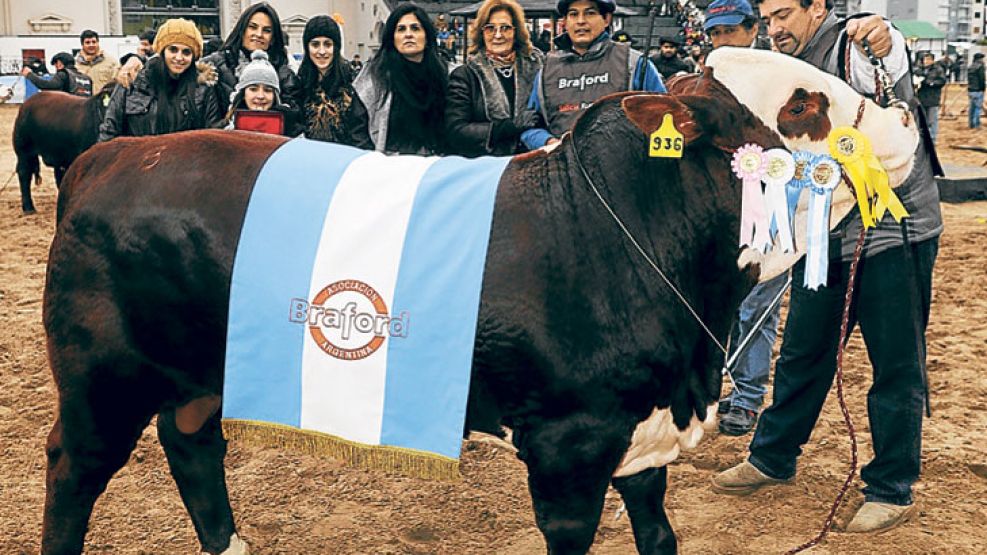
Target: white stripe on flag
{"points": [[373, 199]]}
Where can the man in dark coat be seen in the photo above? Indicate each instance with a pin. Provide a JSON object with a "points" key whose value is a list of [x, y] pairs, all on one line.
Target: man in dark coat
{"points": [[66, 77], [931, 77], [667, 60], [975, 88]]}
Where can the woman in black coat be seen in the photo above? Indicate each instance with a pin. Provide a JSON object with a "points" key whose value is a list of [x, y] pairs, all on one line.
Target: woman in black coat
{"points": [[169, 94], [488, 95], [258, 28], [404, 86]]}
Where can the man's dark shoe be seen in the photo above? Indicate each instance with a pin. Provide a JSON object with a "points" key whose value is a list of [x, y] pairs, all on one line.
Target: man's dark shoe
{"points": [[724, 406], [738, 421]]}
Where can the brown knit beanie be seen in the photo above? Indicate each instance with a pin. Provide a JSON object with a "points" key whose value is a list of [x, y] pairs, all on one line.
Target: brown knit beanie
{"points": [[179, 31]]}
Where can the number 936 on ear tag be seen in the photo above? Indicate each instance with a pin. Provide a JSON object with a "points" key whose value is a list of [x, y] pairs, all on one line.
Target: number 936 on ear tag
{"points": [[666, 141]]}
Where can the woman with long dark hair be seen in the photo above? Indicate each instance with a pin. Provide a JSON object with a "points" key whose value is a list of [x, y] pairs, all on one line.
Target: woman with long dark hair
{"points": [[404, 86], [258, 28], [169, 94], [332, 110], [488, 95]]}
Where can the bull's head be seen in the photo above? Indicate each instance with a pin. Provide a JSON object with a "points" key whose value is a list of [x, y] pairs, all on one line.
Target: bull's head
{"points": [[802, 105], [798, 105]]}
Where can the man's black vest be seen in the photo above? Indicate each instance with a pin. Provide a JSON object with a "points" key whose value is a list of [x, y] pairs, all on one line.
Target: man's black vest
{"points": [[79, 83]]}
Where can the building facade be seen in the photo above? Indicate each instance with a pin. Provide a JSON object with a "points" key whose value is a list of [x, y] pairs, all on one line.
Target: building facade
{"points": [[41, 28]]}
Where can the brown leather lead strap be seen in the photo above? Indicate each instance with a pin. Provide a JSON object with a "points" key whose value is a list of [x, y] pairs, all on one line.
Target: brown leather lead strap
{"points": [[841, 347]]}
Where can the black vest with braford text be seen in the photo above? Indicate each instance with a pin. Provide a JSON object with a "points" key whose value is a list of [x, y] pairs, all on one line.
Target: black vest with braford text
{"points": [[571, 83]]}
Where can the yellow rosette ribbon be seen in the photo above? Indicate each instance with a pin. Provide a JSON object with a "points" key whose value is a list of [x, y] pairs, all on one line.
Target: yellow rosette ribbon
{"points": [[852, 149]]}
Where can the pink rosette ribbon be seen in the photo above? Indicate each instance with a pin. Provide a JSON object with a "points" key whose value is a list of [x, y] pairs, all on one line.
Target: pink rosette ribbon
{"points": [[750, 165]]}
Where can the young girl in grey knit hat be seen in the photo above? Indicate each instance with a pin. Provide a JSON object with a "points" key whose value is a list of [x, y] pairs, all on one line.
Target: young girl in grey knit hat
{"points": [[259, 90]]}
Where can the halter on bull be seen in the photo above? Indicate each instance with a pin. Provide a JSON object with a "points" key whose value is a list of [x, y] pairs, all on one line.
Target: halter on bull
{"points": [[579, 349]]}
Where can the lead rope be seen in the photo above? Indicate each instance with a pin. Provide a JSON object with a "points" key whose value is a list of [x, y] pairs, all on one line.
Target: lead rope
{"points": [[840, 348], [627, 233]]}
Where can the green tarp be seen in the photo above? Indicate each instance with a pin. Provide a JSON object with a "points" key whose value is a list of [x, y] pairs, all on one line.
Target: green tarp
{"points": [[917, 29]]}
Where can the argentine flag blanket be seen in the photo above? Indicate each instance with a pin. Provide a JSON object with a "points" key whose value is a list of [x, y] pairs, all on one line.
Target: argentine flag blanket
{"points": [[353, 305]]}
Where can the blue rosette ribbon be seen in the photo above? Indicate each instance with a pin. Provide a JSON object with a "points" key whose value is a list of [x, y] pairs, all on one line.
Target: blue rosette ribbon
{"points": [[824, 175]]}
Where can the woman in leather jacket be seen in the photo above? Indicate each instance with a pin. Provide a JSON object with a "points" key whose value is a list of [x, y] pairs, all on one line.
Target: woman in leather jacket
{"points": [[259, 27], [170, 94]]}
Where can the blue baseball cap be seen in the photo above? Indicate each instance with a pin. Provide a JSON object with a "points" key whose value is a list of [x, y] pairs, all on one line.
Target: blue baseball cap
{"points": [[726, 12]]}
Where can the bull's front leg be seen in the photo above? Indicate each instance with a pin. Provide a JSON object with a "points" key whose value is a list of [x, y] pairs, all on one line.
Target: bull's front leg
{"points": [[644, 495], [570, 461]]}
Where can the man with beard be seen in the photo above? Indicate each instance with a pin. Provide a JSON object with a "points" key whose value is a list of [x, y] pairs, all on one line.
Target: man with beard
{"points": [[667, 61], [892, 294]]}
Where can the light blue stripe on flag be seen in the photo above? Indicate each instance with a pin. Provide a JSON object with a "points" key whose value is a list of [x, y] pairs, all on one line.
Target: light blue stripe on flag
{"points": [[438, 285], [273, 265]]}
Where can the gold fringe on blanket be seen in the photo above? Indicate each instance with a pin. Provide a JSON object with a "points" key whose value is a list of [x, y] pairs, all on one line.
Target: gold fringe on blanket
{"points": [[399, 460]]}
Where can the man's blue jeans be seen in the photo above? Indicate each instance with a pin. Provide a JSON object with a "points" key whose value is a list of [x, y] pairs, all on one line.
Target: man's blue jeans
{"points": [[750, 373], [932, 118], [976, 104], [893, 316]]}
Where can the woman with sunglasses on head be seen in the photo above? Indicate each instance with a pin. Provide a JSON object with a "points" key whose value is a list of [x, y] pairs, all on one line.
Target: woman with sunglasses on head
{"points": [[332, 110], [487, 106], [404, 86], [170, 94]]}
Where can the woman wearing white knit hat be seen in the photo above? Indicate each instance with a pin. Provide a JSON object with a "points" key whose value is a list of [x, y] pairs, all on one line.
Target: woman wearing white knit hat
{"points": [[170, 94]]}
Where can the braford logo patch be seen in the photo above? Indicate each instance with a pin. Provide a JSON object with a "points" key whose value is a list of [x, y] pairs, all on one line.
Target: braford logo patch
{"points": [[348, 319], [584, 81]]}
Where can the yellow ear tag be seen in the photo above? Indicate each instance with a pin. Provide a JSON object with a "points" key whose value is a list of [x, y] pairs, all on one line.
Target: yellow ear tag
{"points": [[666, 141]]}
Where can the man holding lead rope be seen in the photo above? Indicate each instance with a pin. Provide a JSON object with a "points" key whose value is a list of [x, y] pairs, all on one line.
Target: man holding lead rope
{"points": [[891, 298]]}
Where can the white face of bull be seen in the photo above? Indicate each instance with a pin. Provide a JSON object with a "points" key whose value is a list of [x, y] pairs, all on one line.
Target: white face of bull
{"points": [[802, 104]]}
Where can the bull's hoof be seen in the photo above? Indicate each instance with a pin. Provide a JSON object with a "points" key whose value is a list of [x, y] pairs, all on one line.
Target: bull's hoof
{"points": [[237, 547], [29, 211]]}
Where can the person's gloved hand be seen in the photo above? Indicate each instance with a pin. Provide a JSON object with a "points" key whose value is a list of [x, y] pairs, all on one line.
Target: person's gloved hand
{"points": [[505, 130]]}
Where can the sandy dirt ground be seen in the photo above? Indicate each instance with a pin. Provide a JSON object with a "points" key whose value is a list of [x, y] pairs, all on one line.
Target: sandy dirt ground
{"points": [[286, 503]]}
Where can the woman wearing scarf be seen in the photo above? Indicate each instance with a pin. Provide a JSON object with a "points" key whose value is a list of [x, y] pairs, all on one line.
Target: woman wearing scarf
{"points": [[487, 107], [169, 94], [404, 86], [257, 29], [332, 110]]}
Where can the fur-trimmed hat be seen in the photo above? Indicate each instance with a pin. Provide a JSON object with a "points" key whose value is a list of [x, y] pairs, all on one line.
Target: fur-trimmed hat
{"points": [[179, 31]]}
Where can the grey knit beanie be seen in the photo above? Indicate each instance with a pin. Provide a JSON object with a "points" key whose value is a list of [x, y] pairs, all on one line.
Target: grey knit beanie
{"points": [[258, 71]]}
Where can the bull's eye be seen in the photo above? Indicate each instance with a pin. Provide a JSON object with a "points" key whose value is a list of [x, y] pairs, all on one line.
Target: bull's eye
{"points": [[798, 109]]}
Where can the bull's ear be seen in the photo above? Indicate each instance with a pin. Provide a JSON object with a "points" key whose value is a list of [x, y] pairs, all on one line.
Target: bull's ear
{"points": [[647, 111]]}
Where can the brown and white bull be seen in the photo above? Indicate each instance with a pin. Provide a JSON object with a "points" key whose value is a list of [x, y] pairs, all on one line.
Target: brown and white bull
{"points": [[581, 350]]}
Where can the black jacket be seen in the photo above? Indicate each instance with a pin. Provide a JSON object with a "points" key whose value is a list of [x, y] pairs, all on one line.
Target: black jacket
{"points": [[975, 77], [470, 128], [930, 89], [67, 80], [668, 67], [133, 112], [228, 64]]}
